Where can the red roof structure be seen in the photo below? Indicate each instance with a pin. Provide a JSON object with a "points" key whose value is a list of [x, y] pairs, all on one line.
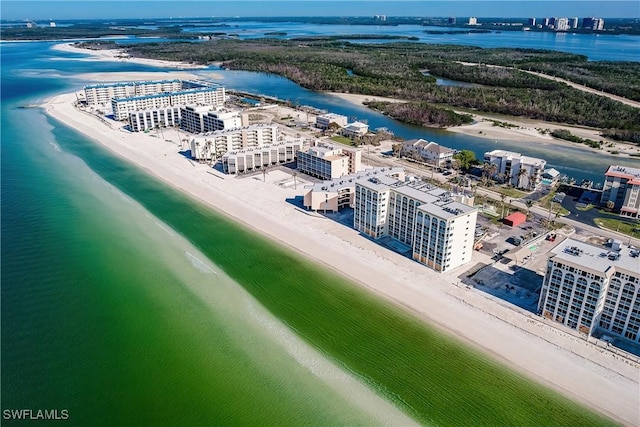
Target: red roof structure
{"points": [[515, 219]]}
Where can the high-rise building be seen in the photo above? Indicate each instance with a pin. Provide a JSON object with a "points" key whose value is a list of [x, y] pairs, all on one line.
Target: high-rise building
{"points": [[573, 23], [622, 189], [531, 22], [473, 21], [451, 20], [328, 161], [591, 23], [562, 24], [438, 229], [589, 288]]}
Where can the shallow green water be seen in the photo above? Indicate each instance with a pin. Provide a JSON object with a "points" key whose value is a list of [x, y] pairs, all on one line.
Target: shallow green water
{"points": [[110, 314], [433, 378]]}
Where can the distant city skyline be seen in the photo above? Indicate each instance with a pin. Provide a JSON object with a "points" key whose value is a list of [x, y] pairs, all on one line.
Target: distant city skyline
{"points": [[116, 9]]}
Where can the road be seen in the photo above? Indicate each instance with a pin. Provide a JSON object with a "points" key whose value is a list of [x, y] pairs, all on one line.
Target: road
{"points": [[374, 159], [583, 88]]}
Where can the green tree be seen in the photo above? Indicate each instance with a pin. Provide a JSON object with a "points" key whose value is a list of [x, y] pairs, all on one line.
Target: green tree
{"points": [[465, 159]]}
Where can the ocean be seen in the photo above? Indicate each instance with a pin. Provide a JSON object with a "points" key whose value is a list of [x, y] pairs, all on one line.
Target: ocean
{"points": [[125, 302]]}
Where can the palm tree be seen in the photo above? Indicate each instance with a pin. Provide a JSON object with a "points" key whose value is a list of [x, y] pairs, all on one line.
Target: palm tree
{"points": [[295, 179], [502, 198], [522, 172], [528, 203], [264, 174]]}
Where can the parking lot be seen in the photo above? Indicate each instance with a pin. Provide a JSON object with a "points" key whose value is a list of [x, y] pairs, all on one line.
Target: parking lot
{"points": [[519, 255]]}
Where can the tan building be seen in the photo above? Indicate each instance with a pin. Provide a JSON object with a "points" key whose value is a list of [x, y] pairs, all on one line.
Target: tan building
{"points": [[335, 194], [327, 161], [260, 157]]}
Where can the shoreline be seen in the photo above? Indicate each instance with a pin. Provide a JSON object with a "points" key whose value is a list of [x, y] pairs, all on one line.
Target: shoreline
{"points": [[524, 130], [524, 343], [115, 55]]}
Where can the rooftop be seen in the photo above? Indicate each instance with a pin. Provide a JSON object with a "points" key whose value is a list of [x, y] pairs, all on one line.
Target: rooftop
{"points": [[624, 172], [598, 258], [350, 180], [131, 83]]}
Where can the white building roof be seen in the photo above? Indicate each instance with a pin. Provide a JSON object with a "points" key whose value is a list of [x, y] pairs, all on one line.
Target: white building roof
{"points": [[594, 258]]}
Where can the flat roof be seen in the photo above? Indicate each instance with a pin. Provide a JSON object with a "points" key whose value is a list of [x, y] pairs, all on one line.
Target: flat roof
{"points": [[597, 258], [623, 172], [130, 83], [350, 180], [446, 208], [157, 95]]}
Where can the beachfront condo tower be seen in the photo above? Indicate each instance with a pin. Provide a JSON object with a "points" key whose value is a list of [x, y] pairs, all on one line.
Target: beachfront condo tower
{"points": [[592, 288], [434, 225]]}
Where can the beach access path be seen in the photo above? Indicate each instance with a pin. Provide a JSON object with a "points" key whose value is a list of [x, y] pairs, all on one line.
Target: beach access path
{"points": [[567, 363]]}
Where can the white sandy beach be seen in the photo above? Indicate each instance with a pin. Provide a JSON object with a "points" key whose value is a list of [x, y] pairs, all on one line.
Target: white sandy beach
{"points": [[524, 130], [554, 357], [118, 56]]}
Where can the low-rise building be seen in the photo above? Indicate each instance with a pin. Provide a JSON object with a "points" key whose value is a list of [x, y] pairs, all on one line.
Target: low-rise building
{"points": [[355, 129], [323, 121], [622, 189], [335, 194], [521, 171], [587, 287], [429, 220], [430, 152], [144, 120], [260, 157], [327, 161], [211, 146]]}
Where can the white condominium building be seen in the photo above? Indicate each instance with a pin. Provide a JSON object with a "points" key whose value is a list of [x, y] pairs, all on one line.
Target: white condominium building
{"points": [[123, 106], [204, 118], [435, 154], [101, 94], [264, 156], [327, 161], [149, 119], [212, 145], [355, 129], [521, 171], [335, 194], [588, 288], [323, 121], [622, 187], [438, 228]]}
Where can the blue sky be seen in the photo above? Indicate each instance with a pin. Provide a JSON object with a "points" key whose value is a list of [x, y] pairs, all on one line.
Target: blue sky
{"points": [[78, 9]]}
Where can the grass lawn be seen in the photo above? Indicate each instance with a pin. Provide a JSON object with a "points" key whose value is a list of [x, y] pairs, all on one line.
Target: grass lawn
{"points": [[557, 207], [510, 192], [342, 140], [628, 228]]}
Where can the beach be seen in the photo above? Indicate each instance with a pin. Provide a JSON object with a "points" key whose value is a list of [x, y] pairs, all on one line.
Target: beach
{"points": [[518, 129], [118, 56], [524, 342]]}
